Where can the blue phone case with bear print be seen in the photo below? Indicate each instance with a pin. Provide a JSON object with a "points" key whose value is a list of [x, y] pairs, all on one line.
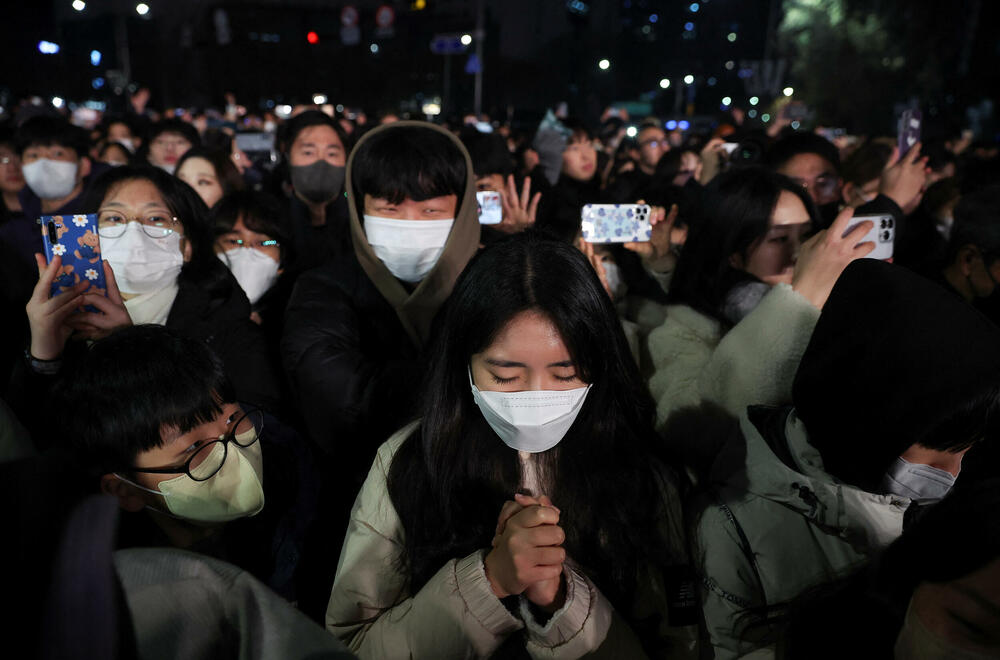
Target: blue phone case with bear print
{"points": [[75, 239]]}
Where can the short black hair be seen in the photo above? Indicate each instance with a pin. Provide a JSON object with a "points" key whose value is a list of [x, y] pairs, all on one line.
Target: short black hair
{"points": [[131, 386], [408, 161], [46, 131], [173, 125], [977, 222], [795, 144], [260, 212], [488, 151], [866, 163], [291, 129]]}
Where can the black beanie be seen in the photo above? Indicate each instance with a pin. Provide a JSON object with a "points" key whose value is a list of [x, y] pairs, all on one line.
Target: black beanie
{"points": [[892, 358]]}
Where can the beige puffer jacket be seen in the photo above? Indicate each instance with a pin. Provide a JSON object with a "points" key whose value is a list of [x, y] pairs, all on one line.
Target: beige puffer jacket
{"points": [[456, 614]]}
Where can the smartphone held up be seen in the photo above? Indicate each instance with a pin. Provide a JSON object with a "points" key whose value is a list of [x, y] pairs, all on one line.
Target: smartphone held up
{"points": [[75, 240], [882, 234], [616, 223]]}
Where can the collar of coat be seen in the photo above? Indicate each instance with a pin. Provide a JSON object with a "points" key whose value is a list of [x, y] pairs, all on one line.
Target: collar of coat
{"points": [[789, 471]]}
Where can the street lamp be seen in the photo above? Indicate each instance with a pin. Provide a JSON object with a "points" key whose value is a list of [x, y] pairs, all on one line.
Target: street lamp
{"points": [[688, 79], [754, 100], [664, 83], [466, 39], [142, 9], [79, 5], [604, 65], [788, 91]]}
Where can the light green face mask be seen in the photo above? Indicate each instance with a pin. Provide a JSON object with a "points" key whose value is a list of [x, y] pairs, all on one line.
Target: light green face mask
{"points": [[235, 491]]}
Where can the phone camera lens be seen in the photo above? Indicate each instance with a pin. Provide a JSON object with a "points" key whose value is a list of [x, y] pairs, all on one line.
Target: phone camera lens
{"points": [[890, 223], [885, 236], [883, 223]]}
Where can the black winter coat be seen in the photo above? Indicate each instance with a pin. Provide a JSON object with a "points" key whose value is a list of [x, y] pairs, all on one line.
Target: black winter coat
{"points": [[354, 370]]}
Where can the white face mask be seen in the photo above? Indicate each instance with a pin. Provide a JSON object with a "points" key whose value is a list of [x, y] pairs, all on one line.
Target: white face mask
{"points": [[235, 491], [143, 264], [127, 143], [168, 167], [917, 481], [915, 642], [532, 421], [50, 179], [255, 271], [408, 248]]}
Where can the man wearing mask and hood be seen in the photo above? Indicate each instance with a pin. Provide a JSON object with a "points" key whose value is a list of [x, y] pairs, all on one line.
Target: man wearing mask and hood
{"points": [[355, 329], [315, 147], [882, 419]]}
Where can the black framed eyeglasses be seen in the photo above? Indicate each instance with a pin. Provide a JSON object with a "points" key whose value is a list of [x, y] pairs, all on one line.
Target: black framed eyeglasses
{"points": [[209, 458]]}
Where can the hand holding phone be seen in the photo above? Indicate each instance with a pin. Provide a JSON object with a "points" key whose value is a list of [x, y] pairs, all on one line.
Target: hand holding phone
{"points": [[616, 223], [74, 239], [882, 234]]}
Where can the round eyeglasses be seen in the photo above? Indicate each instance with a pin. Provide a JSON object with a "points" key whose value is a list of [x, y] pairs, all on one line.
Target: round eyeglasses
{"points": [[209, 458], [112, 224]]}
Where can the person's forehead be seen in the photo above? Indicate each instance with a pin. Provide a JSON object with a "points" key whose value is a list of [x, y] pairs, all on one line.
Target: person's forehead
{"points": [[170, 135], [531, 338], [807, 164], [651, 133], [198, 166], [320, 134]]}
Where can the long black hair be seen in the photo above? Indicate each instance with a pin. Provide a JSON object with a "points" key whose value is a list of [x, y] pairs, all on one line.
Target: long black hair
{"points": [[451, 477], [203, 268], [736, 211]]}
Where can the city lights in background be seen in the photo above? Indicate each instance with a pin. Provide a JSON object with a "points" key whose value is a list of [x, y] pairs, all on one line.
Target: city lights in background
{"points": [[431, 109], [754, 100], [95, 57], [97, 83], [631, 131], [604, 65], [671, 125], [48, 47], [684, 124], [142, 9], [374, 49], [79, 5], [729, 65], [765, 117], [466, 39], [788, 91], [664, 83], [688, 79], [312, 37], [752, 114], [727, 101], [283, 111], [58, 102], [731, 37], [319, 99]]}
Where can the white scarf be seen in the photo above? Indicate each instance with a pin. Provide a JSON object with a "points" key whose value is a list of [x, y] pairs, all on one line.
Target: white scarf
{"points": [[152, 307]]}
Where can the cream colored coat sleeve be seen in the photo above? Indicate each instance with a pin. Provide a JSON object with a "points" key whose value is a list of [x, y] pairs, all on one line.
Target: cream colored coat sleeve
{"points": [[755, 362], [454, 615]]}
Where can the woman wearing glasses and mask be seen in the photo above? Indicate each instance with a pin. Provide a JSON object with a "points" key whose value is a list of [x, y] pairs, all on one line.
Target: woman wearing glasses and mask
{"points": [[161, 268]]}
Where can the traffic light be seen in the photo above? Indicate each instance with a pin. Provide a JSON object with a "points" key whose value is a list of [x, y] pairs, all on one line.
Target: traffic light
{"points": [[312, 37]]}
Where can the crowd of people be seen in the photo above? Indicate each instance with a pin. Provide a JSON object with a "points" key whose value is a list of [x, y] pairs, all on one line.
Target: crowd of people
{"points": [[315, 391]]}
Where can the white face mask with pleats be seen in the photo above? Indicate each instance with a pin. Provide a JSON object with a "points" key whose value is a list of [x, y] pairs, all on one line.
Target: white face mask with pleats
{"points": [[917, 481], [255, 271], [531, 421], [408, 248]]}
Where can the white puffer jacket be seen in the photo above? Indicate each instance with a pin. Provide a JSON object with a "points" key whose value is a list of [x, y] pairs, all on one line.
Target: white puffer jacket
{"points": [[754, 363]]}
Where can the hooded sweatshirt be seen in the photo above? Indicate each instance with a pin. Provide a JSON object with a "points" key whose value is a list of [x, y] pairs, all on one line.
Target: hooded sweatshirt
{"points": [[795, 499], [354, 334]]}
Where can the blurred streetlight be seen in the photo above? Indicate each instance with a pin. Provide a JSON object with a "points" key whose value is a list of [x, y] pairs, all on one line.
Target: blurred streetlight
{"points": [[142, 9], [95, 57], [731, 37], [754, 100], [57, 102], [466, 39], [688, 79], [604, 65], [319, 99], [664, 83], [631, 131], [788, 91], [79, 5], [727, 101]]}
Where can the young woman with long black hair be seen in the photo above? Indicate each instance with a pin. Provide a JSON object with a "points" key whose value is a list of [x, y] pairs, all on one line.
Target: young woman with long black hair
{"points": [[525, 510]]}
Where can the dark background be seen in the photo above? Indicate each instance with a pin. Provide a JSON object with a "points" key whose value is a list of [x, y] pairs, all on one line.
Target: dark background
{"points": [[852, 62]]}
